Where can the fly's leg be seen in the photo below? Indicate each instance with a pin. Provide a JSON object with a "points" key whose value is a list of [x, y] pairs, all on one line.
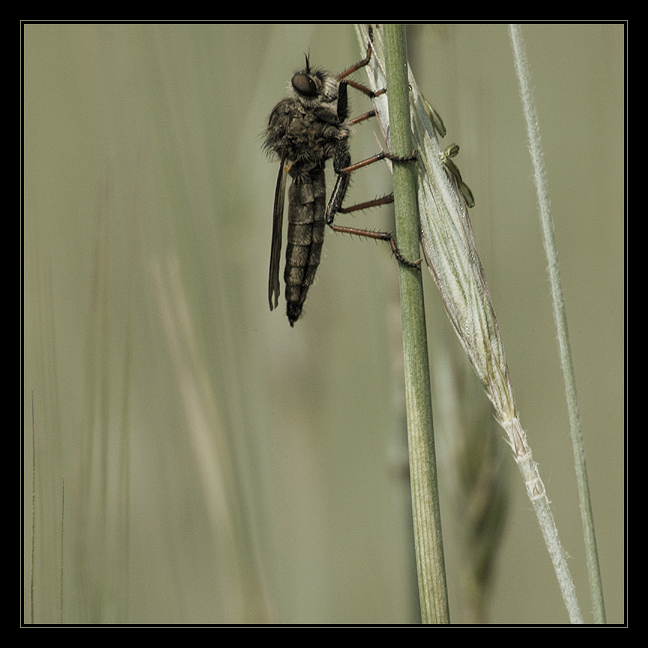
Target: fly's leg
{"points": [[359, 118], [380, 236], [376, 202], [343, 168], [354, 68], [383, 155], [342, 104]]}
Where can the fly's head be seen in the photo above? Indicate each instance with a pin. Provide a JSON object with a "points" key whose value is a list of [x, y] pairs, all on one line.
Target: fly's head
{"points": [[308, 127], [314, 88]]}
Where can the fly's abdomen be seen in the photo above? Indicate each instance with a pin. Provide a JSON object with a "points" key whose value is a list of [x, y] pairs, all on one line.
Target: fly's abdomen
{"points": [[306, 207]]}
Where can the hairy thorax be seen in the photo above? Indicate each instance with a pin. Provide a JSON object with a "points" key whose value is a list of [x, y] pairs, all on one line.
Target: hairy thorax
{"points": [[304, 136]]}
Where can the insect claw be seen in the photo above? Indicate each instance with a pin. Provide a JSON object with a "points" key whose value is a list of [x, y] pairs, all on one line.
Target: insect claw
{"points": [[400, 257], [403, 158]]}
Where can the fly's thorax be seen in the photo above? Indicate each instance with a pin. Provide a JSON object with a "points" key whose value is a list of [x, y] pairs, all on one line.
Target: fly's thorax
{"points": [[304, 137]]}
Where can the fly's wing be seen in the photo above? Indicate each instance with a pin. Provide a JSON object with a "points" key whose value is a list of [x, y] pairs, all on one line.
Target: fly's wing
{"points": [[274, 287]]}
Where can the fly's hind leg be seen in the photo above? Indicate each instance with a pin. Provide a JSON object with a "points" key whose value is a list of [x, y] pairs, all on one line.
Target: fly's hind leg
{"points": [[381, 236], [343, 168]]}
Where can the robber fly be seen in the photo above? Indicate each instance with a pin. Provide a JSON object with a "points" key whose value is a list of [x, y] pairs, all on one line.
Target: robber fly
{"points": [[304, 131]]}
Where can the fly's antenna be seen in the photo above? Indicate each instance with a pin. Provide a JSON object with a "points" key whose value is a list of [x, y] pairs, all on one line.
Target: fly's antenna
{"points": [[307, 62]]}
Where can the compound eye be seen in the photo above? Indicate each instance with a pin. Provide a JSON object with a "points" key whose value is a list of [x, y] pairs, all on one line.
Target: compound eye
{"points": [[304, 85]]}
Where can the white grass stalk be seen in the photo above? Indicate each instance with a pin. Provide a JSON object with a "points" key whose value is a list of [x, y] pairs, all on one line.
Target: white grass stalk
{"points": [[540, 179], [451, 254]]}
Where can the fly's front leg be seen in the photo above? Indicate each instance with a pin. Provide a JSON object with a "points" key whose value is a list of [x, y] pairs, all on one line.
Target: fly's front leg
{"points": [[354, 84], [343, 168], [357, 66], [343, 104]]}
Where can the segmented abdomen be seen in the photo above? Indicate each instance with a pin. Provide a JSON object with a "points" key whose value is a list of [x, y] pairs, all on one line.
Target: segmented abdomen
{"points": [[306, 207]]}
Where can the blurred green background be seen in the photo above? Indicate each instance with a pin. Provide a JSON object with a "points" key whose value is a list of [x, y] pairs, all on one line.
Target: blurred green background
{"points": [[217, 465]]}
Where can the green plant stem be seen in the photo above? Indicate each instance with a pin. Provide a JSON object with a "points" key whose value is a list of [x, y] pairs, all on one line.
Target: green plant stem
{"points": [[560, 318], [425, 503]]}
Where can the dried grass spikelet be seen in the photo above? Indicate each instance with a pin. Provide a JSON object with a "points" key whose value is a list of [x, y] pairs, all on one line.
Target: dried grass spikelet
{"points": [[451, 254]]}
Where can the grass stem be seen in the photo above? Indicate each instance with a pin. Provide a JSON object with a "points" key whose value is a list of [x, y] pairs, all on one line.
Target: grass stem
{"points": [[560, 318], [425, 503], [451, 254]]}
